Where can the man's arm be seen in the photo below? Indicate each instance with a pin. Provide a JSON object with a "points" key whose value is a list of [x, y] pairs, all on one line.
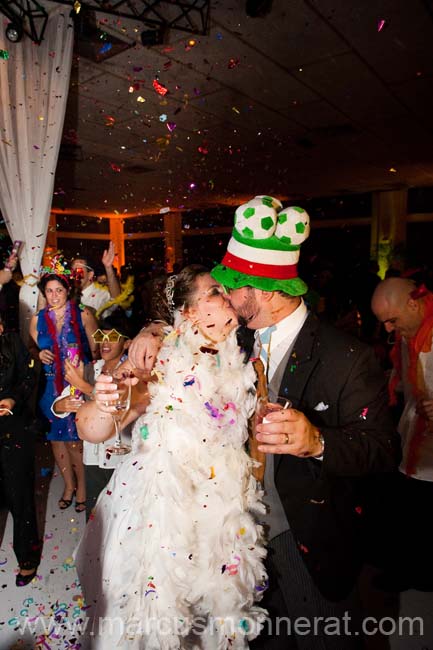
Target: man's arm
{"points": [[24, 380], [112, 279], [145, 346]]}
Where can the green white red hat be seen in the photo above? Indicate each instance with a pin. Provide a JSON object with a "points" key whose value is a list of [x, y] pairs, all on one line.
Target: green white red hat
{"points": [[263, 251]]}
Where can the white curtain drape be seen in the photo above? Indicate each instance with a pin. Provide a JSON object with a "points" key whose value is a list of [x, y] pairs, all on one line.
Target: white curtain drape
{"points": [[34, 83]]}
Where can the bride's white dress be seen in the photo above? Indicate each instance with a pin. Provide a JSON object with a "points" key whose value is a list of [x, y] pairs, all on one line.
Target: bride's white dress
{"points": [[173, 557]]}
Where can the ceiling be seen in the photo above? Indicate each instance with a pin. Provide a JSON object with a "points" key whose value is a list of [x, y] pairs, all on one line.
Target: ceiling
{"points": [[318, 97]]}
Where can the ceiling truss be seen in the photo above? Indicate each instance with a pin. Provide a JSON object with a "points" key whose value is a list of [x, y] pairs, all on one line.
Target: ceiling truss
{"points": [[190, 16]]}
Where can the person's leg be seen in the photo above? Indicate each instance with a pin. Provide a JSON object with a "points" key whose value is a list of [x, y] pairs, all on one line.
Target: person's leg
{"points": [[75, 451], [419, 559], [17, 473], [63, 462], [317, 623], [96, 480]]}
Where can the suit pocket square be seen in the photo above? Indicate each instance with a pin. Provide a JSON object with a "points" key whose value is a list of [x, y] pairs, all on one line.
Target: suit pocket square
{"points": [[321, 406]]}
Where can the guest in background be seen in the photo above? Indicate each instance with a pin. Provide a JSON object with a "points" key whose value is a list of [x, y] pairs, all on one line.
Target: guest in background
{"points": [[90, 294], [17, 438], [406, 311], [113, 342], [58, 329]]}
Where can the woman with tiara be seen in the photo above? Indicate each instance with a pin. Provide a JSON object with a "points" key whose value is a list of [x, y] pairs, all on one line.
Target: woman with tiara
{"points": [[173, 557], [62, 335]]}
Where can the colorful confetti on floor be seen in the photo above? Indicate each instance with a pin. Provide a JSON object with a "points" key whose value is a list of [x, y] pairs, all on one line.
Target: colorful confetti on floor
{"points": [[47, 614]]}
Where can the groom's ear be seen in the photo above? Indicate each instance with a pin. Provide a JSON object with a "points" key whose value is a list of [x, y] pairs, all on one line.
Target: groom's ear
{"points": [[265, 296]]}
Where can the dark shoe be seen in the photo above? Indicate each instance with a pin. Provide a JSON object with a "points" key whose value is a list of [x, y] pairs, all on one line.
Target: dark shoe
{"points": [[65, 503], [80, 506], [23, 580]]}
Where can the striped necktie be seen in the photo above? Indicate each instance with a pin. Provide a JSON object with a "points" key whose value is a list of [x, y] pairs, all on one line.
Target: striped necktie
{"points": [[265, 340]]}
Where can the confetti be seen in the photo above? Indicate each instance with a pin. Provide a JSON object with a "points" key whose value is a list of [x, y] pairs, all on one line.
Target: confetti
{"points": [[171, 126], [160, 89], [380, 25], [214, 412], [4, 54], [163, 117], [105, 48], [364, 412], [244, 625], [232, 63], [115, 167]]}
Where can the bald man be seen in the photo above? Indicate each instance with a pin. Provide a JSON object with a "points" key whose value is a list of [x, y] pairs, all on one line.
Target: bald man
{"points": [[408, 311]]}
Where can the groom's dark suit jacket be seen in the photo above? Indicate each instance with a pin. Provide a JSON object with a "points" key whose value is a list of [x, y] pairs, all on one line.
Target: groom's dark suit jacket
{"points": [[335, 380]]}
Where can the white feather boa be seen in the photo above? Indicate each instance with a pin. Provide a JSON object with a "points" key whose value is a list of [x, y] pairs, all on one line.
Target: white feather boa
{"points": [[173, 551]]}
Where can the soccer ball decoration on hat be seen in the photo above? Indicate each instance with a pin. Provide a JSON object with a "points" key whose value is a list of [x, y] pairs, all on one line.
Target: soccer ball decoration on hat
{"points": [[263, 251]]}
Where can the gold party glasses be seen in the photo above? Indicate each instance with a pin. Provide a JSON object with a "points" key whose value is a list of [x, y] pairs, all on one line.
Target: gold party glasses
{"points": [[113, 336]]}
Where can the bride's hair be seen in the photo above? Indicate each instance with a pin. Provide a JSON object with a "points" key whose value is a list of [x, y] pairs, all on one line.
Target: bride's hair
{"points": [[184, 285], [174, 292]]}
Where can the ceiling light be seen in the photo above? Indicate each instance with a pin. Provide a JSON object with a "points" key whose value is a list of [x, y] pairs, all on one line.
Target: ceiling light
{"points": [[14, 32]]}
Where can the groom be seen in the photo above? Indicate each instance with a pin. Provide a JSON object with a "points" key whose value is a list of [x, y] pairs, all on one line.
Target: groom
{"points": [[337, 431]]}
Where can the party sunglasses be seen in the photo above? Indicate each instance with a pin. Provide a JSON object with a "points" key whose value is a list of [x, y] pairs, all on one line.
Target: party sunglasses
{"points": [[113, 336]]}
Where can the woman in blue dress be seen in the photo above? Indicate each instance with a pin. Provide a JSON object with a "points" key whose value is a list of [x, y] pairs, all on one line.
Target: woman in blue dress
{"points": [[58, 330]]}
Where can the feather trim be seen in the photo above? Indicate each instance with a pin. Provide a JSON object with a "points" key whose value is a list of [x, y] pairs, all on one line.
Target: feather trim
{"points": [[177, 539]]}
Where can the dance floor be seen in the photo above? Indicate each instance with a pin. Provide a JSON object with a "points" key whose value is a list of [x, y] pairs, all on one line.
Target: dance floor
{"points": [[48, 613]]}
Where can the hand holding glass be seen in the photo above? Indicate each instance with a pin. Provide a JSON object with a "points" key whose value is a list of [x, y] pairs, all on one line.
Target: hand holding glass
{"points": [[121, 405], [264, 407]]}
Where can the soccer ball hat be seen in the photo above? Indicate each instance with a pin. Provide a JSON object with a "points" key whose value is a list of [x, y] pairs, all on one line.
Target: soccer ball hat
{"points": [[263, 251]]}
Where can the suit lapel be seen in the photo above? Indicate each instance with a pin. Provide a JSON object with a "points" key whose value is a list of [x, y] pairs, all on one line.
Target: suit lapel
{"points": [[299, 366]]}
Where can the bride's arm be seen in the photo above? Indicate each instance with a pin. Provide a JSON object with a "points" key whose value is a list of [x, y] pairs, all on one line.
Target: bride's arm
{"points": [[94, 419]]}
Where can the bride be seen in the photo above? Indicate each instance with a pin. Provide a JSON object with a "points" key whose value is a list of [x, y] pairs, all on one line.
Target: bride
{"points": [[172, 557]]}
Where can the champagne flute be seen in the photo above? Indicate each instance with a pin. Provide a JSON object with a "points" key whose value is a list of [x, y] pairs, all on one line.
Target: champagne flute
{"points": [[121, 404], [264, 407]]}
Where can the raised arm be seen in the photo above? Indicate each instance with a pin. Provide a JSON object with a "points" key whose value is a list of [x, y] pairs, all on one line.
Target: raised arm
{"points": [[112, 279]]}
